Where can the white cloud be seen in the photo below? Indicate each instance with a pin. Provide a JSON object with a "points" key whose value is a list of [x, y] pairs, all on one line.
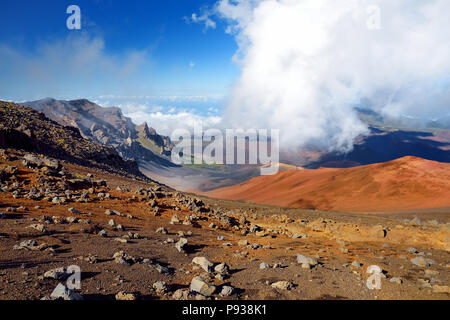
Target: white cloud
{"points": [[79, 62], [166, 123], [203, 18], [166, 119], [306, 63], [173, 98]]}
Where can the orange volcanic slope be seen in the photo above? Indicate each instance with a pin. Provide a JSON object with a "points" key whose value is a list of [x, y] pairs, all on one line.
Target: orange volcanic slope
{"points": [[402, 184]]}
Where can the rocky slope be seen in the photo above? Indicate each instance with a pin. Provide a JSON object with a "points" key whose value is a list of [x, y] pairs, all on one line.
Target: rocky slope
{"points": [[107, 126], [134, 240], [402, 184], [24, 128]]}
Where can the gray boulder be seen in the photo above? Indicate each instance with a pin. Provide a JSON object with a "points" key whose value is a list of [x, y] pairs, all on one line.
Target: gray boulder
{"points": [[61, 292], [201, 286]]}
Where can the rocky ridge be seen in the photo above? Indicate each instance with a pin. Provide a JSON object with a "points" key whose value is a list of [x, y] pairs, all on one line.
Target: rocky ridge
{"points": [[107, 126], [24, 128]]}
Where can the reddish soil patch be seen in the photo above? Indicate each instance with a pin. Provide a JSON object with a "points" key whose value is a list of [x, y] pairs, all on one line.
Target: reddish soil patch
{"points": [[403, 184]]}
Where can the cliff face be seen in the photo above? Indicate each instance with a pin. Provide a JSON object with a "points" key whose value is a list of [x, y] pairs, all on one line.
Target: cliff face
{"points": [[107, 126], [151, 139]]}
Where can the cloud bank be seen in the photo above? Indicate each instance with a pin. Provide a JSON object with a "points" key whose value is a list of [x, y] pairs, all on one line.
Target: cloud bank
{"points": [[165, 119], [307, 63]]}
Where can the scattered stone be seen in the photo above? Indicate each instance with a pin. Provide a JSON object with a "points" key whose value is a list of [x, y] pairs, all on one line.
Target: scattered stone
{"points": [[282, 285], [30, 245], [58, 200], [180, 245], [160, 287], [424, 283], [421, 262], [226, 291], [103, 233], [264, 265], [201, 286], [222, 269], [396, 280], [184, 294], [57, 274], [64, 293], [39, 227], [90, 258], [123, 258], [126, 296], [415, 222], [412, 250], [204, 263], [109, 212], [71, 220], [161, 230], [356, 264], [161, 269], [133, 235], [219, 277], [261, 234], [306, 262], [242, 243], [174, 219]]}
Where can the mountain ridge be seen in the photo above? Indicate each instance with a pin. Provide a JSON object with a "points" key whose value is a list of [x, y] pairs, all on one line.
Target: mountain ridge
{"points": [[104, 125], [24, 128]]}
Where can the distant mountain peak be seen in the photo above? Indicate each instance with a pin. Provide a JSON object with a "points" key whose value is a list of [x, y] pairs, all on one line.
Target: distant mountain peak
{"points": [[147, 131], [153, 141], [107, 126]]}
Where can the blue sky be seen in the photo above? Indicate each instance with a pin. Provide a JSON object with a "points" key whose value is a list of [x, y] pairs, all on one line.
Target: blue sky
{"points": [[303, 64], [124, 48]]}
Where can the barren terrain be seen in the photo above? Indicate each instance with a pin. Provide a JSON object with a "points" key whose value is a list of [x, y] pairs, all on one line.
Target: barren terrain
{"points": [[408, 183], [258, 244]]}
